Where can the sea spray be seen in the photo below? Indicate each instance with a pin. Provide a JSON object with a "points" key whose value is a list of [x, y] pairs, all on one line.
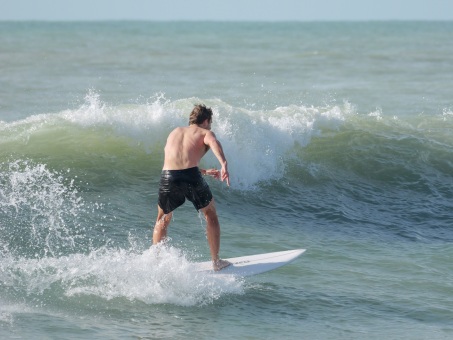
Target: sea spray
{"points": [[41, 210]]}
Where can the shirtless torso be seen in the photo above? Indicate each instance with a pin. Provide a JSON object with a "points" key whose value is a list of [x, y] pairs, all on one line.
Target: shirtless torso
{"points": [[187, 145]]}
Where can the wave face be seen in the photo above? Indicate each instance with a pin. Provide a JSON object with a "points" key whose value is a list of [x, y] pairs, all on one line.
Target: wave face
{"points": [[262, 145]]}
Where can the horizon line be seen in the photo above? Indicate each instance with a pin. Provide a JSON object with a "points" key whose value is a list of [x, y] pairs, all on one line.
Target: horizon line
{"points": [[223, 20]]}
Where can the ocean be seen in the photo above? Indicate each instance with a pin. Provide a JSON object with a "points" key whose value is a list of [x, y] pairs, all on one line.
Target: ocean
{"points": [[339, 139]]}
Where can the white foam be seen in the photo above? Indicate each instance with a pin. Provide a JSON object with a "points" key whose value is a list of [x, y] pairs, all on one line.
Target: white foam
{"points": [[155, 276], [447, 112], [258, 143], [144, 124]]}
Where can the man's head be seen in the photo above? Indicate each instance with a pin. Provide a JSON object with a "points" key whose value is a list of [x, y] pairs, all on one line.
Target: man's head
{"points": [[199, 114]]}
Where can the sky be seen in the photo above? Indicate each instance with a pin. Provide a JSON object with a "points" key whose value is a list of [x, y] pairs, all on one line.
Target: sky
{"points": [[226, 10]]}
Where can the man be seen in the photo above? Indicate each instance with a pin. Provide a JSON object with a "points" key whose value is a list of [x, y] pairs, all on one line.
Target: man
{"points": [[181, 178]]}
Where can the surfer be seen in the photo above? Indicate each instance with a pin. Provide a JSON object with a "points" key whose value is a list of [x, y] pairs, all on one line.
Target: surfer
{"points": [[181, 178]]}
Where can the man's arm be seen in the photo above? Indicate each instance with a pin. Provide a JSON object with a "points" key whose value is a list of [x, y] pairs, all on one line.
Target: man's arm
{"points": [[211, 140]]}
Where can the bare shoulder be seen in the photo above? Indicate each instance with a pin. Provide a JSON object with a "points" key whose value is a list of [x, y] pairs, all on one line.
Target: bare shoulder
{"points": [[209, 133], [177, 131], [209, 136]]}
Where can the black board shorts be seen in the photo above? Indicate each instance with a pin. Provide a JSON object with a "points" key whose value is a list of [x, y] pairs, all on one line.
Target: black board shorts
{"points": [[177, 185]]}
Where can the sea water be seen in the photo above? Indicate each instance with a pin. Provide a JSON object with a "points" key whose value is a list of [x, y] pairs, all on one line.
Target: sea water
{"points": [[339, 139]]}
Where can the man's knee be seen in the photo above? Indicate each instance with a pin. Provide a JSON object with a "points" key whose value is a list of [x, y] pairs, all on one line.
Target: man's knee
{"points": [[163, 220], [209, 209], [210, 213]]}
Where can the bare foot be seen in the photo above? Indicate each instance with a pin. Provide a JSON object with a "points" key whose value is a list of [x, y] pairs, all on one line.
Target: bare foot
{"points": [[220, 264]]}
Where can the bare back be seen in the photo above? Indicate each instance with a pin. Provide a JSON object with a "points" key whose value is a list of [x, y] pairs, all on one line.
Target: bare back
{"points": [[185, 147]]}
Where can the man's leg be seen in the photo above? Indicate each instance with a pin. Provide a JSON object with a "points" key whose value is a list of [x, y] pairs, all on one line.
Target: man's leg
{"points": [[213, 234], [160, 228]]}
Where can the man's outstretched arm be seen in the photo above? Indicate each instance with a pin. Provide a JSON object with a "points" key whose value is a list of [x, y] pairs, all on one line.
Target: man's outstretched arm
{"points": [[211, 140]]}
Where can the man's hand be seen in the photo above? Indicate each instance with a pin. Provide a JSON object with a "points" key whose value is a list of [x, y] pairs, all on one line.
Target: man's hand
{"points": [[225, 176], [221, 175], [212, 172]]}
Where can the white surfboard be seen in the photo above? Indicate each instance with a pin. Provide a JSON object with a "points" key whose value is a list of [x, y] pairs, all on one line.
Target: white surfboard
{"points": [[252, 264]]}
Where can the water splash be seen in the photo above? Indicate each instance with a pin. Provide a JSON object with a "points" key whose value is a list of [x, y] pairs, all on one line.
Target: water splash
{"points": [[159, 275], [40, 209]]}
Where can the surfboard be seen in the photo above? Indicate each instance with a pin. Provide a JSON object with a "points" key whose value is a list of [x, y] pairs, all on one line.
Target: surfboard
{"points": [[252, 264]]}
